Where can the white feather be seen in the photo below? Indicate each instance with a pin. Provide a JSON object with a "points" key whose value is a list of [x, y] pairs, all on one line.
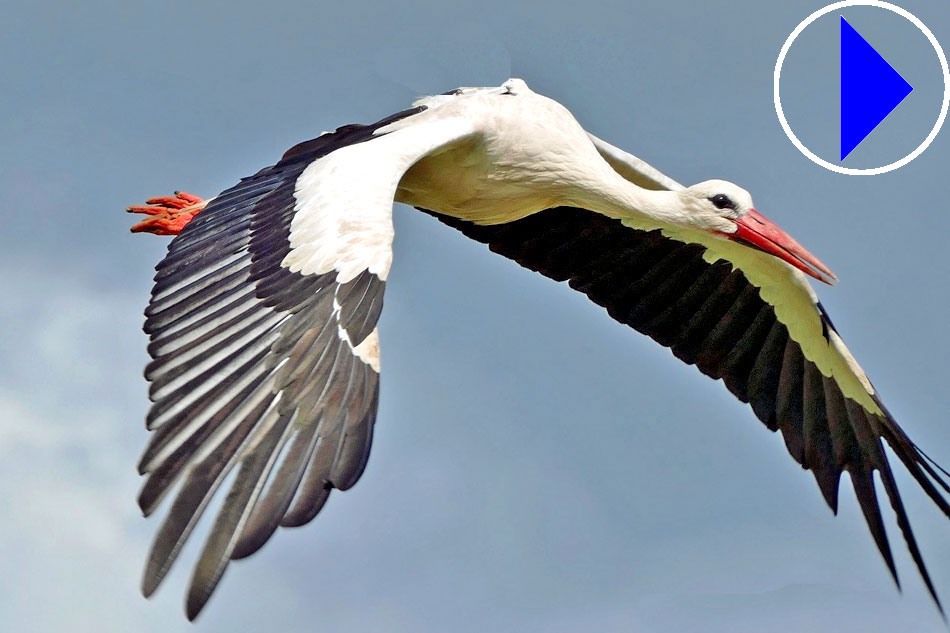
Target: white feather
{"points": [[343, 219]]}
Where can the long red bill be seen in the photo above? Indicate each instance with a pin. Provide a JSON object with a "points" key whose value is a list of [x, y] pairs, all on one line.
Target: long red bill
{"points": [[756, 230]]}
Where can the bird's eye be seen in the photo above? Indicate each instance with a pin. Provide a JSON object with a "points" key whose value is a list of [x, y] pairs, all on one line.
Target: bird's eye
{"points": [[722, 201]]}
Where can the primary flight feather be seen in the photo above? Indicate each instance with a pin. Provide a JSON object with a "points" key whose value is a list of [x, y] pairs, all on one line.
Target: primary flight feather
{"points": [[263, 316]]}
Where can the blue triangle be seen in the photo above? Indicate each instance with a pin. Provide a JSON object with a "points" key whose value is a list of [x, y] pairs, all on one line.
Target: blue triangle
{"points": [[870, 88]]}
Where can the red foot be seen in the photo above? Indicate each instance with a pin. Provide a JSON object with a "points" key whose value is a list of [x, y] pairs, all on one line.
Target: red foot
{"points": [[168, 215]]}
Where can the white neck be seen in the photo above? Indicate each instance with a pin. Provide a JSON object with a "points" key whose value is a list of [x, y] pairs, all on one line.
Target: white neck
{"points": [[612, 195]]}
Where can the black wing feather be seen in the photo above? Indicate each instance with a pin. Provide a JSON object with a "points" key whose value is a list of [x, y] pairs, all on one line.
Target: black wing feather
{"points": [[712, 317], [249, 370]]}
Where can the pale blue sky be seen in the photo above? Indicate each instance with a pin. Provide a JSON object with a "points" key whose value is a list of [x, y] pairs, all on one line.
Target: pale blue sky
{"points": [[537, 466]]}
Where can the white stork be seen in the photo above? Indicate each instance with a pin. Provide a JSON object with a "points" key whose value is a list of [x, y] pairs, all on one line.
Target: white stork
{"points": [[263, 315]]}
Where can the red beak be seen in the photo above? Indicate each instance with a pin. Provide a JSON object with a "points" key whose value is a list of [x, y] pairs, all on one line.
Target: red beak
{"points": [[754, 229]]}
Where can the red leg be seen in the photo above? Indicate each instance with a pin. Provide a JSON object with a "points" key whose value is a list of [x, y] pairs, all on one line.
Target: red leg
{"points": [[168, 215]]}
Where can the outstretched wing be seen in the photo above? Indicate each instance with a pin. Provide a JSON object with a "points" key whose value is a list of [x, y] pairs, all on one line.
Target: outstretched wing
{"points": [[263, 334], [746, 318]]}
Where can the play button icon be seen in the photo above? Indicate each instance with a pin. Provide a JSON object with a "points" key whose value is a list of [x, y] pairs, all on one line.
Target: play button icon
{"points": [[870, 88]]}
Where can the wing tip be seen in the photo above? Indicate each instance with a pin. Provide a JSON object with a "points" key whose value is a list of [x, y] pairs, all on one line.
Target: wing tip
{"points": [[194, 604], [151, 579]]}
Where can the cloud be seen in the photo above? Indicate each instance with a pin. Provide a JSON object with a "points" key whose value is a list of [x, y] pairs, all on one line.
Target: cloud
{"points": [[65, 477]]}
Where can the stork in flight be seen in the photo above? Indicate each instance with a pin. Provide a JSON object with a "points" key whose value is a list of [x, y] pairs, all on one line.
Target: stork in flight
{"points": [[263, 316]]}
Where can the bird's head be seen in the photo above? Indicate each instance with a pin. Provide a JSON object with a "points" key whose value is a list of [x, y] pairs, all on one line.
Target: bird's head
{"points": [[726, 209]]}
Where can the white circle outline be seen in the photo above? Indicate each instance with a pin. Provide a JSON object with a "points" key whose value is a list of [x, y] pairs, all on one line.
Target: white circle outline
{"points": [[850, 171]]}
